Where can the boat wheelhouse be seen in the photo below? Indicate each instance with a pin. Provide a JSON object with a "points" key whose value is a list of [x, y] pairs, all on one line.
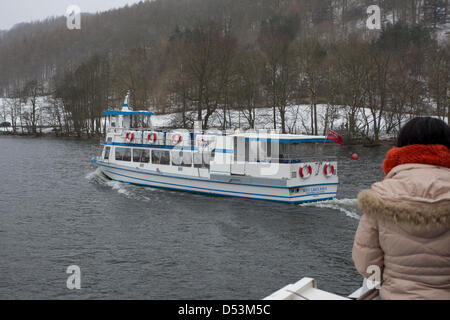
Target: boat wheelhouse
{"points": [[254, 165]]}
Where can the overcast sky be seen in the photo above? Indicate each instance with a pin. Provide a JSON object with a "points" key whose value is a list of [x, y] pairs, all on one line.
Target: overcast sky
{"points": [[16, 11]]}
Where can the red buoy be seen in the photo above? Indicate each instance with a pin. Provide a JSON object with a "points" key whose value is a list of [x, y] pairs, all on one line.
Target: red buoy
{"points": [[355, 156]]}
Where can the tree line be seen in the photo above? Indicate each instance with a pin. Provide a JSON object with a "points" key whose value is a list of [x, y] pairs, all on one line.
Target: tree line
{"points": [[276, 55]]}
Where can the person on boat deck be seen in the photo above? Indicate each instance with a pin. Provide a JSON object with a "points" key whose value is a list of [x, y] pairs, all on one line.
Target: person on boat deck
{"points": [[405, 223]]}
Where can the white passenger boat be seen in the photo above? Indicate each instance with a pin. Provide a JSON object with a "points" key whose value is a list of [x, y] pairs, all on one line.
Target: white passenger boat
{"points": [[254, 165]]}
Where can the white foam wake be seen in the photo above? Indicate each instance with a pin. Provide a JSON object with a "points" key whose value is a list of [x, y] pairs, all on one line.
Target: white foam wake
{"points": [[347, 206], [97, 176], [124, 189], [119, 187]]}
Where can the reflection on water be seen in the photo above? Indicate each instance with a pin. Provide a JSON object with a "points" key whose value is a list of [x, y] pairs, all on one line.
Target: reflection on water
{"points": [[56, 210]]}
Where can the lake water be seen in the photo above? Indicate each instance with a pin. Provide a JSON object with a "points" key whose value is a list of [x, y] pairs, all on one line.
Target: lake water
{"points": [[141, 243]]}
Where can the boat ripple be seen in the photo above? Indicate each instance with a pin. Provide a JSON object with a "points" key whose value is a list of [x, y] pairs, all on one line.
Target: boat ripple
{"points": [[127, 190], [347, 206]]}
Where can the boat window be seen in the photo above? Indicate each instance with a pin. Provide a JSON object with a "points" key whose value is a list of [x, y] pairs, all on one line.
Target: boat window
{"points": [[198, 161], [107, 152], [202, 159], [160, 157], [177, 157], [127, 155], [123, 154], [187, 159], [295, 151], [119, 154], [239, 149], [296, 148], [141, 155], [252, 150], [180, 158]]}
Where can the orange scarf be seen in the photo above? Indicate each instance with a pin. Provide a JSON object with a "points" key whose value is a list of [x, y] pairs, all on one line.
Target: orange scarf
{"points": [[436, 154]]}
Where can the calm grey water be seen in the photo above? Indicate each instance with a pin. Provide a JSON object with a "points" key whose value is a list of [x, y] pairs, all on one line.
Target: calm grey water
{"points": [[140, 243]]}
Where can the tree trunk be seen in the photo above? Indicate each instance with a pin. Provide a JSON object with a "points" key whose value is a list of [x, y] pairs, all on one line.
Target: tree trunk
{"points": [[315, 119], [33, 117], [325, 127], [274, 118], [283, 119]]}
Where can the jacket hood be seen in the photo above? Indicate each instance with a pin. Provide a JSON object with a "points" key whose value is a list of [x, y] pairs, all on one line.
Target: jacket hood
{"points": [[438, 155], [418, 194]]}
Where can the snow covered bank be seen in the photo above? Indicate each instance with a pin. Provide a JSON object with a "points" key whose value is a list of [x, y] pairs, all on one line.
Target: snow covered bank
{"points": [[298, 118]]}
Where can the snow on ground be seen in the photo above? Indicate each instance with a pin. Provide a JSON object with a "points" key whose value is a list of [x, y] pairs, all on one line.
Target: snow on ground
{"points": [[43, 114], [443, 34], [298, 118]]}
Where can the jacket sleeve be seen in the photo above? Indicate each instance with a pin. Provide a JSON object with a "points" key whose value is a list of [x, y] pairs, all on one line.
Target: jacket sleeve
{"points": [[366, 247]]}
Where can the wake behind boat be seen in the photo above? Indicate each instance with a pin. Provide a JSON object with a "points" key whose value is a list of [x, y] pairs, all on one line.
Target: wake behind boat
{"points": [[254, 165]]}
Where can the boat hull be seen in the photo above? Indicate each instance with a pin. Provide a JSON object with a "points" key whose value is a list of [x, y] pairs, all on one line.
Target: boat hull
{"points": [[306, 193]]}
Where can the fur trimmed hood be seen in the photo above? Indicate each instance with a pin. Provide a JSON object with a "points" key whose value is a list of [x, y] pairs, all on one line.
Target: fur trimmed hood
{"points": [[417, 194], [437, 155], [373, 205]]}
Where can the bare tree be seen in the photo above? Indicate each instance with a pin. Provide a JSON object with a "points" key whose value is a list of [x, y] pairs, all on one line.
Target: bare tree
{"points": [[438, 80], [31, 92], [14, 106], [248, 67], [311, 59], [377, 91], [276, 41]]}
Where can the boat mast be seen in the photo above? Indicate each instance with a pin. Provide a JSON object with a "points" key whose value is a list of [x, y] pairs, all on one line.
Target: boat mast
{"points": [[125, 123], [125, 106]]}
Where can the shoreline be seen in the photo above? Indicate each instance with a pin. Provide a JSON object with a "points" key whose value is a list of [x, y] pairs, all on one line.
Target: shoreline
{"points": [[50, 135]]}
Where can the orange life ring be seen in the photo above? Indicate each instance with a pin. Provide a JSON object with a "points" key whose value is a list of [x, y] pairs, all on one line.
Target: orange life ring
{"points": [[152, 137], [328, 170], [176, 138], [305, 172]]}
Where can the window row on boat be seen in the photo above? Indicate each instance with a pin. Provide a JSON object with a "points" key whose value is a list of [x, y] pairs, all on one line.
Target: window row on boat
{"points": [[159, 157]]}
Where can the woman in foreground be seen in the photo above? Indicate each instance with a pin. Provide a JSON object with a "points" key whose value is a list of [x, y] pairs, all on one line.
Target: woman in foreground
{"points": [[405, 226]]}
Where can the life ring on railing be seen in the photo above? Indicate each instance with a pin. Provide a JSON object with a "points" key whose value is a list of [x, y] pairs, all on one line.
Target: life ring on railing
{"points": [[305, 172], [129, 137], [152, 137], [176, 138], [328, 169]]}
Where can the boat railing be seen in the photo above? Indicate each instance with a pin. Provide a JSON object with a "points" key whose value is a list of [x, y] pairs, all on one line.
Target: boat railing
{"points": [[119, 130], [366, 292], [306, 289], [297, 158]]}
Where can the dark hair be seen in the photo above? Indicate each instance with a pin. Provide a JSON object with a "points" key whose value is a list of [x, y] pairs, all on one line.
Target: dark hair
{"points": [[424, 131]]}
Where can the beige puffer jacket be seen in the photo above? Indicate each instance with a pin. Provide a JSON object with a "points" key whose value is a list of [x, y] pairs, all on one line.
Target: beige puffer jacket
{"points": [[405, 230]]}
